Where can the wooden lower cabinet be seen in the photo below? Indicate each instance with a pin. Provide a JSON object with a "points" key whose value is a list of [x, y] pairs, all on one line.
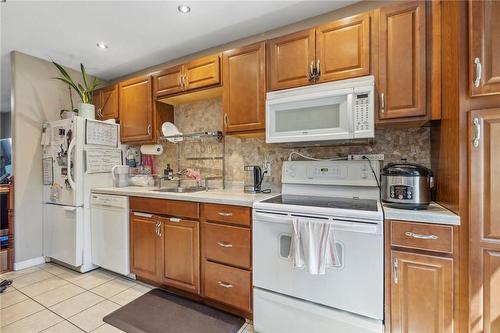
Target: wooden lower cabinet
{"points": [[145, 244], [484, 220], [421, 293], [165, 241], [181, 254]]}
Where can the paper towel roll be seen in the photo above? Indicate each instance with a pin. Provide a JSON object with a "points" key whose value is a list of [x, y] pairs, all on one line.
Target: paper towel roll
{"points": [[152, 149]]}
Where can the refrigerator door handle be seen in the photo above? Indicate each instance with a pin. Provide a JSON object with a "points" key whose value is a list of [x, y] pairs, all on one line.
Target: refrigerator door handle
{"points": [[70, 149], [69, 209]]}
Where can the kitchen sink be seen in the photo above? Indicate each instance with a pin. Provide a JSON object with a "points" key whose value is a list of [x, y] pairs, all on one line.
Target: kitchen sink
{"points": [[188, 189]]}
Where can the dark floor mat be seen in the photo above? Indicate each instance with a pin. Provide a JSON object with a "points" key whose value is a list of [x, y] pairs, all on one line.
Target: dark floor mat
{"points": [[159, 311]]}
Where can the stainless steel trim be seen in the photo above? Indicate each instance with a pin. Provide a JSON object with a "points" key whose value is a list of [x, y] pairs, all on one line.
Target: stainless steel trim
{"points": [[224, 284], [477, 132], [225, 214], [477, 81], [223, 244], [419, 236], [143, 215], [396, 271], [382, 102]]}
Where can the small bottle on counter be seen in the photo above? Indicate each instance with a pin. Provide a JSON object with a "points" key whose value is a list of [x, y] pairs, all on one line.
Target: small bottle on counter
{"points": [[168, 172]]}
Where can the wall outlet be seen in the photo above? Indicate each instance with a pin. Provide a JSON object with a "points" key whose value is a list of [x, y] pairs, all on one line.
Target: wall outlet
{"points": [[266, 168], [371, 157]]}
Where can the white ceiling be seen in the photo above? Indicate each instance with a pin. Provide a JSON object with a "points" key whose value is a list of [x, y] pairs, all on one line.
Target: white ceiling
{"points": [[139, 34]]}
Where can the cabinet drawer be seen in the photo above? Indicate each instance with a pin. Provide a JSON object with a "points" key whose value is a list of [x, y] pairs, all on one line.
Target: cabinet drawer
{"points": [[228, 285], [165, 207], [422, 236], [227, 244], [228, 214]]}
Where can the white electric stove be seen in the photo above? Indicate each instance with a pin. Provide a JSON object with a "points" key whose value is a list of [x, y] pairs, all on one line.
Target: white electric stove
{"points": [[348, 298]]}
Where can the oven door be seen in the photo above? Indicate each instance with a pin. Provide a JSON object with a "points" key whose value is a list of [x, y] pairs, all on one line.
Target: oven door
{"points": [[356, 286], [302, 117]]}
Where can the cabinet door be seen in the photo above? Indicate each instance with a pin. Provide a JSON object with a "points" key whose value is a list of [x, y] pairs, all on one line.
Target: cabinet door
{"points": [[97, 101], [145, 246], [484, 44], [401, 82], [244, 88], [181, 260], [168, 81], [136, 112], [484, 220], [108, 103], [421, 293], [343, 48], [290, 60], [202, 72]]}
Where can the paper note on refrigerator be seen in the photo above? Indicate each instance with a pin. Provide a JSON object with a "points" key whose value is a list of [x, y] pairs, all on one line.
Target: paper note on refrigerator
{"points": [[48, 171], [101, 133], [100, 160]]}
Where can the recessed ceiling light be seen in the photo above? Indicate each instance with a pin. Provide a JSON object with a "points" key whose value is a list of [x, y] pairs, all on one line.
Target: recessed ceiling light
{"points": [[102, 45], [184, 9]]}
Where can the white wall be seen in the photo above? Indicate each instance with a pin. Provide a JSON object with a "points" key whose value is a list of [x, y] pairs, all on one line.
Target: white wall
{"points": [[36, 98]]}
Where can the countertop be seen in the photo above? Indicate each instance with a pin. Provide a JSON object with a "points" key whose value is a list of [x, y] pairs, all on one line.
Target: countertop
{"points": [[436, 214], [232, 196]]}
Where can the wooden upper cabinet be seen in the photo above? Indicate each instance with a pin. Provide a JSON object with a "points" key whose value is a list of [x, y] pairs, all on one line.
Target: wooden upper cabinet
{"points": [[484, 47], [202, 72], [108, 103], [484, 220], [145, 246], [244, 88], [402, 52], [421, 293], [343, 48], [168, 81], [290, 60], [181, 254], [136, 111]]}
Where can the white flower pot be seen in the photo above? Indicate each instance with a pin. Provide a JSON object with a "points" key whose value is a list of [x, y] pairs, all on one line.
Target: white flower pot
{"points": [[68, 114], [86, 110]]}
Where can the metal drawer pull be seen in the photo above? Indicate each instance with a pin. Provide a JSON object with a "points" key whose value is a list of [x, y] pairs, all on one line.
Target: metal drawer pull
{"points": [[175, 219], [224, 244], [224, 284], [414, 235], [396, 271], [477, 81], [382, 102], [225, 214], [143, 215]]}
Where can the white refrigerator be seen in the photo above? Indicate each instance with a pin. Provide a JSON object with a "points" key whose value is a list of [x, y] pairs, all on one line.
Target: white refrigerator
{"points": [[78, 154]]}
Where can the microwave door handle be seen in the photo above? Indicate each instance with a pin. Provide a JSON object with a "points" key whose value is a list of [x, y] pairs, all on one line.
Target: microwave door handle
{"points": [[350, 115]]}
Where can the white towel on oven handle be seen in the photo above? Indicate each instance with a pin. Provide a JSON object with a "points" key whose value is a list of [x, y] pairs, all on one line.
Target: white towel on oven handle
{"points": [[313, 245]]}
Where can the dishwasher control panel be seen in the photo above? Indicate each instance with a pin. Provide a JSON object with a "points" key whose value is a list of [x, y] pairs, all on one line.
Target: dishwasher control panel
{"points": [[108, 200]]}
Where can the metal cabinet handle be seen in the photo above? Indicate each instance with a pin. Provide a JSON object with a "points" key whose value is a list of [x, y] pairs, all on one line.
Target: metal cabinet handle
{"points": [[225, 214], [224, 284], [225, 120], [382, 102], [156, 228], [226, 245], [181, 83], [477, 81], [311, 71], [143, 215], [414, 235], [175, 219], [184, 80], [477, 132], [396, 271], [318, 70], [149, 129]]}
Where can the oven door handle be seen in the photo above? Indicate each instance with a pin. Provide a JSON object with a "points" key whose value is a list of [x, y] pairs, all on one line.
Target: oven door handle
{"points": [[274, 218], [355, 227]]}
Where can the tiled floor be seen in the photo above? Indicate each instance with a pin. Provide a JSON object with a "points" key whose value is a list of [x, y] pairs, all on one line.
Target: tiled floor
{"points": [[53, 299]]}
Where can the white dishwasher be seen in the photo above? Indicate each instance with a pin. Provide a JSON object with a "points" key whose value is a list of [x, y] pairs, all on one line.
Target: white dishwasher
{"points": [[110, 232]]}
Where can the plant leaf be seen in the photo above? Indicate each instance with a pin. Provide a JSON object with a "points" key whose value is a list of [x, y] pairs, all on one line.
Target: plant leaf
{"points": [[84, 75], [71, 83], [63, 71]]}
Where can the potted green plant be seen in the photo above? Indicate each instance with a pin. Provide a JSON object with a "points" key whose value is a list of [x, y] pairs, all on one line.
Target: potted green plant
{"points": [[86, 108]]}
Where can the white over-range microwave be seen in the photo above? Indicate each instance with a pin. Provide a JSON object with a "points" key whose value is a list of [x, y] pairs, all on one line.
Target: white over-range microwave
{"points": [[336, 111]]}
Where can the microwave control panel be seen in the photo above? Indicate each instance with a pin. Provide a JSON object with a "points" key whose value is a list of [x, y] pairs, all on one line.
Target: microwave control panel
{"points": [[361, 112]]}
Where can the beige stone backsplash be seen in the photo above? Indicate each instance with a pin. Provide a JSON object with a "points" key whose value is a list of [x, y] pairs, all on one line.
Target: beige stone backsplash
{"points": [[410, 143]]}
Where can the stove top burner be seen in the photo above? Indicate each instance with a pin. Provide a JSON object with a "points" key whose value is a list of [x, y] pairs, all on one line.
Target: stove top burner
{"points": [[325, 202]]}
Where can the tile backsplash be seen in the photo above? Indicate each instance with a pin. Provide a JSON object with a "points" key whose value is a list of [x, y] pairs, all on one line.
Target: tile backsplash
{"points": [[410, 143]]}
